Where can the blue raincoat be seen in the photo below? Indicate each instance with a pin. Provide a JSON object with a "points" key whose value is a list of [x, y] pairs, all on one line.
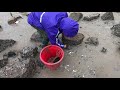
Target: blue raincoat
{"points": [[54, 23]]}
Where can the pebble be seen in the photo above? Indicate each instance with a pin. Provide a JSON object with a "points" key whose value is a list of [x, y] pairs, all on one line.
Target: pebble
{"points": [[74, 71], [17, 22]]}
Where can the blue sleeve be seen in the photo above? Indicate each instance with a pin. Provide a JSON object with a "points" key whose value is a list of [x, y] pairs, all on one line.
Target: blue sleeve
{"points": [[53, 33]]}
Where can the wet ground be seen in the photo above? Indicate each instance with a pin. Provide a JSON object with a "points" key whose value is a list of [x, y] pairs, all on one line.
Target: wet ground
{"points": [[82, 61]]}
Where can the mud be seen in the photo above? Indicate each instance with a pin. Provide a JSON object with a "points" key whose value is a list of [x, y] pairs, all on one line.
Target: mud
{"points": [[76, 16], [78, 39], [92, 41], [91, 17], [107, 16], [104, 50], [6, 43], [116, 30], [13, 20]]}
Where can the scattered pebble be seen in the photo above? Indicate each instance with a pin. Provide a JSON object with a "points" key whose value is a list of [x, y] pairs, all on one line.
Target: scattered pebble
{"points": [[104, 50], [74, 70], [17, 22]]}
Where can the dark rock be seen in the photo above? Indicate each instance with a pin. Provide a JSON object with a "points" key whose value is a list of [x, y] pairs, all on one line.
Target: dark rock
{"points": [[107, 16], [91, 17], [12, 54], [104, 50], [28, 52], [14, 19], [1, 29], [76, 16], [73, 41], [3, 62], [116, 30], [35, 37], [92, 41], [6, 43]]}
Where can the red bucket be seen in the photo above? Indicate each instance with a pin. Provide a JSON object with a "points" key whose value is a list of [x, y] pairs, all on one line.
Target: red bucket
{"points": [[46, 54]]}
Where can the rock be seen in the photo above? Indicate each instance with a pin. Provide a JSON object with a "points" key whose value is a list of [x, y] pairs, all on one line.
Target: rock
{"points": [[107, 16], [104, 50], [76, 16], [73, 41], [91, 17], [3, 62], [11, 54], [92, 41], [35, 37], [1, 28], [6, 43], [14, 19], [28, 52], [116, 30]]}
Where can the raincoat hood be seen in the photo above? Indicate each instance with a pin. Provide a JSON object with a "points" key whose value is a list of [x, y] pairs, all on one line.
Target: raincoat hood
{"points": [[69, 27]]}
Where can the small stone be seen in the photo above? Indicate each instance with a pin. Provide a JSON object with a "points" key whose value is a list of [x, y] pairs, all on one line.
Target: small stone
{"points": [[82, 55], [104, 50], [13, 20], [1, 28], [17, 22], [92, 41], [67, 65], [74, 71]]}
